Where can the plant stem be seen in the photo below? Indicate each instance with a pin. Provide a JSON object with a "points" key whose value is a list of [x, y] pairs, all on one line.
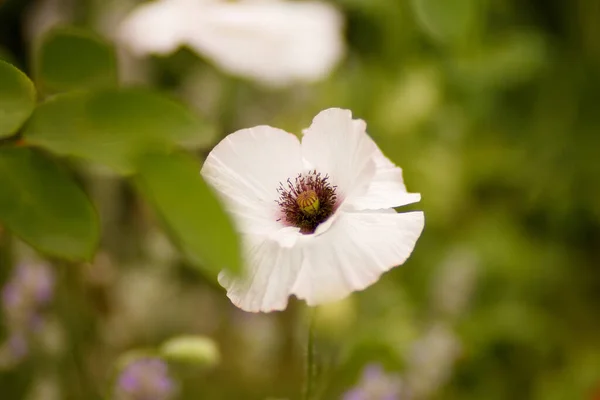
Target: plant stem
{"points": [[311, 362]]}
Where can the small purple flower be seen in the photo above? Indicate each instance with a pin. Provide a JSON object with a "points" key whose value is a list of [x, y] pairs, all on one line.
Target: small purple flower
{"points": [[29, 289], [375, 384], [145, 379]]}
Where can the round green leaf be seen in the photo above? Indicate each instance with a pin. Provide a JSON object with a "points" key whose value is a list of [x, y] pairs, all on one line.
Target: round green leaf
{"points": [[17, 99], [204, 231], [446, 20], [40, 203], [112, 126], [72, 58]]}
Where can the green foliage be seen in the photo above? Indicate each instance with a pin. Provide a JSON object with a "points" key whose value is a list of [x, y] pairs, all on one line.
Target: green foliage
{"points": [[447, 21], [71, 58], [491, 109], [40, 203], [17, 99], [174, 185], [112, 126], [511, 60]]}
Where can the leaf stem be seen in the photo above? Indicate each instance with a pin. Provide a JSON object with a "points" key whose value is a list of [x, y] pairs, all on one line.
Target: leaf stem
{"points": [[311, 362]]}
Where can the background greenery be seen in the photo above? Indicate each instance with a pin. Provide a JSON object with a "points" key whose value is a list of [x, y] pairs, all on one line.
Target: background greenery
{"points": [[490, 106]]}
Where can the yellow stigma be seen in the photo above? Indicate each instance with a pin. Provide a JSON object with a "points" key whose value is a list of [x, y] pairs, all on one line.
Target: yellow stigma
{"points": [[308, 202]]}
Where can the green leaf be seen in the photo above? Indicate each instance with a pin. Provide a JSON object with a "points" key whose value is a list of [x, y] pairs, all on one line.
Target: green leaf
{"points": [[71, 58], [112, 126], [204, 231], [42, 204], [509, 60], [17, 99], [446, 20]]}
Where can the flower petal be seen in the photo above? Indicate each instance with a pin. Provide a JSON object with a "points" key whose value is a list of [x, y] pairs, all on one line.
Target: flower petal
{"points": [[158, 27], [246, 169], [339, 146], [271, 272], [354, 252], [386, 188], [275, 42], [348, 257]]}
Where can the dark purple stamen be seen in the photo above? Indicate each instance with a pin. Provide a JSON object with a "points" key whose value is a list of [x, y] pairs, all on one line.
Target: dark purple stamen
{"points": [[307, 218]]}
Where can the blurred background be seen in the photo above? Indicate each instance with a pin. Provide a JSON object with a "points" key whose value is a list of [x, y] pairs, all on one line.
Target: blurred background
{"points": [[491, 107]]}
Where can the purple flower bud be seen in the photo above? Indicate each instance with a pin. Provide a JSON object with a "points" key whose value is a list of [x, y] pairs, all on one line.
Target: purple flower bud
{"points": [[375, 384], [145, 379]]}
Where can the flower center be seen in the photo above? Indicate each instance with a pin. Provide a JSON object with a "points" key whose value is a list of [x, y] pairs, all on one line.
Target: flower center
{"points": [[307, 201]]}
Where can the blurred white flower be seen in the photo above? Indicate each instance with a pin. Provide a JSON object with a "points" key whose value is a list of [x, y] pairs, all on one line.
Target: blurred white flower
{"points": [[455, 282], [316, 216], [431, 360], [275, 42]]}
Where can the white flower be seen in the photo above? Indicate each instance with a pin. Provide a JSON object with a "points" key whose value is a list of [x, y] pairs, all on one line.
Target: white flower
{"points": [[275, 42], [316, 217]]}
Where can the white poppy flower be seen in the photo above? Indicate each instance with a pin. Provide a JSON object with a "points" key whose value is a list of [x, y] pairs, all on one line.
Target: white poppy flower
{"points": [[316, 216], [275, 42]]}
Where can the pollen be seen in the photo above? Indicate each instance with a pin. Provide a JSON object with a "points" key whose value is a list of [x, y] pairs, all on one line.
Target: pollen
{"points": [[307, 201]]}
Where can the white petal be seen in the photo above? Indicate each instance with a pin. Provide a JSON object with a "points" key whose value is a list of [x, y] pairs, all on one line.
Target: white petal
{"points": [[270, 273], [275, 42], [339, 146], [348, 257], [354, 252], [158, 27], [246, 169], [386, 188]]}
